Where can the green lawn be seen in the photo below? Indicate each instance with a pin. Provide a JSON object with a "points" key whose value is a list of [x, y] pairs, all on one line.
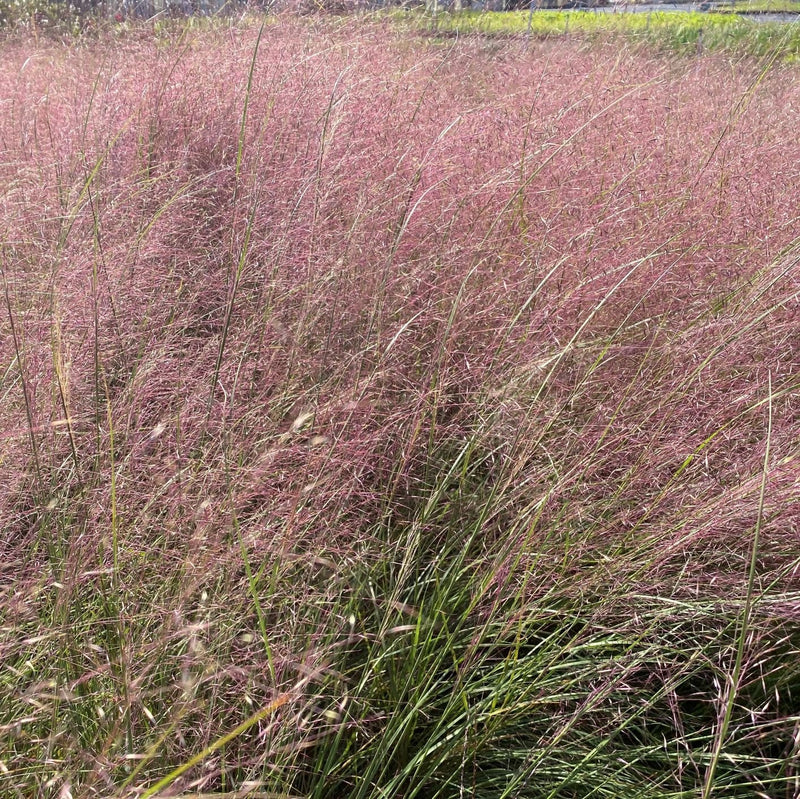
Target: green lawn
{"points": [[771, 6], [688, 31]]}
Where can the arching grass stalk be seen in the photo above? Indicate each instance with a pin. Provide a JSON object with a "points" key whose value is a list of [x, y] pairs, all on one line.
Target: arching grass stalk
{"points": [[265, 711], [248, 231], [740, 107], [113, 601], [226, 325], [243, 121], [19, 357], [744, 626]]}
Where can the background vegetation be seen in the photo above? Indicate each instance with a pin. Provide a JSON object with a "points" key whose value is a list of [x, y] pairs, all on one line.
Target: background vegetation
{"points": [[387, 416], [684, 32]]}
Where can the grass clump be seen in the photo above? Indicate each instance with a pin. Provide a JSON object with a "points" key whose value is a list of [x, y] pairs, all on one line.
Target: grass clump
{"points": [[387, 418]]}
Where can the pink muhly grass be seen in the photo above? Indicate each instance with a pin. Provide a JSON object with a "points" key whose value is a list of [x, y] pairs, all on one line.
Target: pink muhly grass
{"points": [[567, 258]]}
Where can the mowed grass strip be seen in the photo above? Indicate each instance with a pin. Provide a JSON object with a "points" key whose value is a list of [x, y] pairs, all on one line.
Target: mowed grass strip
{"points": [[684, 32]]}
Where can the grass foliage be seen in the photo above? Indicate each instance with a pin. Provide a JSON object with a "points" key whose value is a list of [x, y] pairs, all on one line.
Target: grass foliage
{"points": [[390, 417]]}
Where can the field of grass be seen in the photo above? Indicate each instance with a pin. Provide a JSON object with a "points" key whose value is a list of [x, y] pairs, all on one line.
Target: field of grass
{"points": [[389, 416], [684, 32]]}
